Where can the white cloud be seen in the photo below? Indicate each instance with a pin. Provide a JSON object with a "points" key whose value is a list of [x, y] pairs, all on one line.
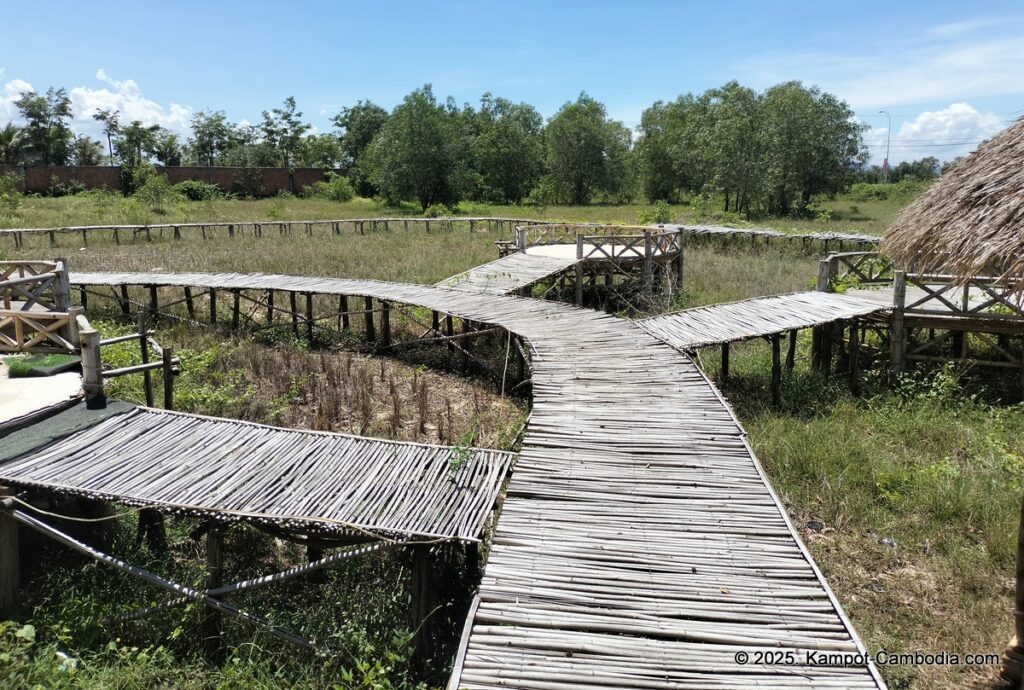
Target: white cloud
{"points": [[126, 97], [929, 67], [958, 28], [11, 92], [945, 134]]}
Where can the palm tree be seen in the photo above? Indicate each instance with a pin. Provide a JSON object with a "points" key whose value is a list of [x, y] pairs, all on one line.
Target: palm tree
{"points": [[12, 144]]}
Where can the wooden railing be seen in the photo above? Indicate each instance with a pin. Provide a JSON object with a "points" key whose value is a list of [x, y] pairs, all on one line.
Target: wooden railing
{"points": [[854, 268], [34, 307]]}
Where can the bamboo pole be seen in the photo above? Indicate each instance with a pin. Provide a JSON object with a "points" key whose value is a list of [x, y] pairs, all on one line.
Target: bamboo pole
{"points": [[147, 376], [897, 332], [213, 624]]}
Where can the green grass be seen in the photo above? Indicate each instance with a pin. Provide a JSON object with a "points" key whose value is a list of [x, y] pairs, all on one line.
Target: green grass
{"points": [[840, 214], [39, 364]]}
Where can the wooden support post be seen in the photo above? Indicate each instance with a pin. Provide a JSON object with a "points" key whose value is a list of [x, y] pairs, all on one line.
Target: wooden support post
{"points": [[10, 563], [819, 333], [177, 232], [897, 333], [423, 597], [73, 327], [435, 323], [151, 530], [154, 304], [53, 238], [309, 318], [449, 330], [578, 285], [791, 353], [776, 369], [854, 357], [293, 306], [725, 362], [371, 335], [213, 624], [168, 356], [147, 376], [190, 305], [236, 308], [92, 367], [467, 327], [125, 304], [213, 306], [385, 323], [270, 306], [83, 297], [343, 308]]}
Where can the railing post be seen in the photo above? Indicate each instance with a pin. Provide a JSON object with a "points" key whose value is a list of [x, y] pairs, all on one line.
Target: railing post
{"points": [[648, 260], [147, 376], [521, 231], [579, 247], [168, 362], [897, 330], [73, 334], [92, 364], [821, 335], [61, 287], [679, 258], [10, 564]]}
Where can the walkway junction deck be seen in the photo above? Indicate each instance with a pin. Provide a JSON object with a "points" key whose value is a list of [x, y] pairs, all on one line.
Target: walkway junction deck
{"points": [[640, 544]]}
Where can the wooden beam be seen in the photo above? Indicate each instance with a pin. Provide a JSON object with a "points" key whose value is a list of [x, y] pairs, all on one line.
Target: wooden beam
{"points": [[213, 306], [168, 362], [385, 323], [293, 306], [236, 309], [309, 318], [147, 377], [791, 353], [343, 308], [190, 306]]}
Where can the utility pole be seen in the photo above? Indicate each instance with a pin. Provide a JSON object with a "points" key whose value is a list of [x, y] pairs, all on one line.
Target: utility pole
{"points": [[888, 137]]}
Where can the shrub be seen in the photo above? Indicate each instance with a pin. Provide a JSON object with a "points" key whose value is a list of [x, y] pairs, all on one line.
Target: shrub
{"points": [[438, 211], [10, 196], [659, 214], [69, 188], [156, 192], [904, 190], [197, 190], [334, 188]]}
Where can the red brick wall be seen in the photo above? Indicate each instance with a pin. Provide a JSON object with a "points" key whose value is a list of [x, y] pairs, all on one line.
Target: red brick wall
{"points": [[261, 181]]}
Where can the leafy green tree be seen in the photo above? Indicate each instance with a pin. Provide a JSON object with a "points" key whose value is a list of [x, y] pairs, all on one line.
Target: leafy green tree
{"points": [[420, 152], [46, 130], [812, 145], [136, 143], [319, 151], [212, 135], [247, 149], [166, 147], [86, 151], [12, 144], [283, 129], [509, 148], [359, 125], [581, 142], [110, 121], [734, 143]]}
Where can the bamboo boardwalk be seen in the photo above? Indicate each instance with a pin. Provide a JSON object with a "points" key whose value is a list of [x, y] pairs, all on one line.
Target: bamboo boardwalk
{"points": [[510, 273], [361, 488], [761, 316], [640, 544]]}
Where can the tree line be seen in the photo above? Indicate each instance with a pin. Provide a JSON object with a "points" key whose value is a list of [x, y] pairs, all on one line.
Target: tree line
{"points": [[768, 151]]}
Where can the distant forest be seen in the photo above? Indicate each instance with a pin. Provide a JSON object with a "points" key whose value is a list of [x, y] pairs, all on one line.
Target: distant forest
{"points": [[753, 152]]}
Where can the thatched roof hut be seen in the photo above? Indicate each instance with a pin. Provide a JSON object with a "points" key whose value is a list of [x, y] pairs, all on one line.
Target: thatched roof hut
{"points": [[970, 222]]}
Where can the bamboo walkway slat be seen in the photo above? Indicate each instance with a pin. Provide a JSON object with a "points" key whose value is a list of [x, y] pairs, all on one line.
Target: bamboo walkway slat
{"points": [[640, 545], [510, 273], [761, 316], [338, 483]]}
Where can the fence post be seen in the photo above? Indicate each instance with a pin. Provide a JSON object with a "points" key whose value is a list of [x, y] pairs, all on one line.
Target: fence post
{"points": [[62, 287], [897, 331], [168, 357], [521, 232], [648, 260], [92, 364], [821, 335]]}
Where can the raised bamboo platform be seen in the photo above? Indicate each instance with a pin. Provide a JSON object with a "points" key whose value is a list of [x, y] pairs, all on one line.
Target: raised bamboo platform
{"points": [[759, 317], [344, 486], [640, 544]]}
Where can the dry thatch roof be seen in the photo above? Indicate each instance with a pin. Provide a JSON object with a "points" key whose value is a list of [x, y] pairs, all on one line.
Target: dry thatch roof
{"points": [[970, 222]]}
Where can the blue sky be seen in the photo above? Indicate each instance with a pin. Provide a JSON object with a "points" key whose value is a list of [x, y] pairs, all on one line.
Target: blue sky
{"points": [[947, 71]]}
